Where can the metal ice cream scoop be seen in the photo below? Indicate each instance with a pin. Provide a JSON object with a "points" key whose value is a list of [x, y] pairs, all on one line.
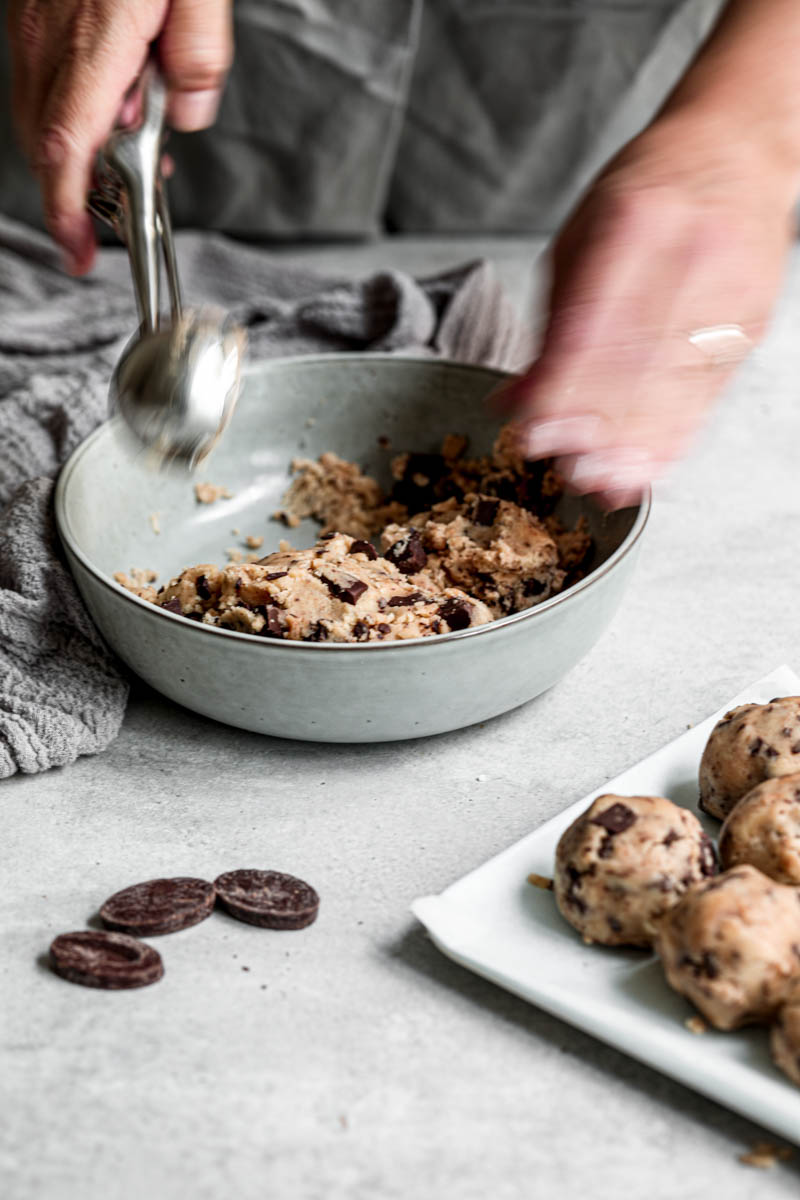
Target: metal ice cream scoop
{"points": [[177, 381]]}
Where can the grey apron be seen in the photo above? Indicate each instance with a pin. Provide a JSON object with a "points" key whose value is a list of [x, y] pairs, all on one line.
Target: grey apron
{"points": [[345, 117]]}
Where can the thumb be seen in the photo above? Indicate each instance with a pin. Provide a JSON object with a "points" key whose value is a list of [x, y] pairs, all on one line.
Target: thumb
{"points": [[196, 51]]}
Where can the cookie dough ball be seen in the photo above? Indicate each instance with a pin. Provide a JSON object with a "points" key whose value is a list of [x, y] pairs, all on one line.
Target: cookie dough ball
{"points": [[732, 946], [490, 548], [784, 1039], [338, 591], [624, 863], [764, 830], [751, 743]]}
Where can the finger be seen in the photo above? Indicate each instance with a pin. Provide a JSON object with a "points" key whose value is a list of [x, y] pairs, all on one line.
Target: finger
{"points": [[31, 37], [80, 111], [196, 50]]}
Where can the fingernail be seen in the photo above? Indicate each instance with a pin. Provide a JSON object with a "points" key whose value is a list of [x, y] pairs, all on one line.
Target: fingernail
{"points": [[191, 111], [560, 435]]}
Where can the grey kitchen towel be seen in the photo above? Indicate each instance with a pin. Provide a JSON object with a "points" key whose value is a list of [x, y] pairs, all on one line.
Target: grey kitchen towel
{"points": [[62, 693]]}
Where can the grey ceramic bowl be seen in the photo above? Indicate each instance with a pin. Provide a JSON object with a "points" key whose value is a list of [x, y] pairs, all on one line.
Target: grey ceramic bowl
{"points": [[105, 503]]}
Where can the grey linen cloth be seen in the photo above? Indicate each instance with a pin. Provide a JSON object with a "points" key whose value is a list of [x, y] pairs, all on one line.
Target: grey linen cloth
{"points": [[62, 692]]}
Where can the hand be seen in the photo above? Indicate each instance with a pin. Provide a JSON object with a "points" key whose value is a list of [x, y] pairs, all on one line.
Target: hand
{"points": [[686, 229], [74, 60]]}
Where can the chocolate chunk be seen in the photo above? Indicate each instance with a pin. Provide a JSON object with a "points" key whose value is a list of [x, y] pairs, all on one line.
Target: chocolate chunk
{"points": [[173, 605], [405, 601], [485, 511], [709, 965], [273, 621], [158, 906], [361, 631], [203, 590], [111, 961], [770, 752], [614, 925], [348, 592], [457, 613], [193, 616], [417, 488], [267, 898], [574, 882], [361, 547], [408, 554], [276, 575], [326, 537], [534, 587], [755, 746], [606, 847], [672, 836], [786, 731], [317, 633], [796, 748], [708, 855], [615, 819], [383, 628]]}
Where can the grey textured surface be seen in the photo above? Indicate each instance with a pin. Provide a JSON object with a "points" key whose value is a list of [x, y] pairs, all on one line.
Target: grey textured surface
{"points": [[351, 1059]]}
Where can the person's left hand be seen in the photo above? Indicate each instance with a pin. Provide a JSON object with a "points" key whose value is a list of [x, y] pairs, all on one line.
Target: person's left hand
{"points": [[685, 230]]}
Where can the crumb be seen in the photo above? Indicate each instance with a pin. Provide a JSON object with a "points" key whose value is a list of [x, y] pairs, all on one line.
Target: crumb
{"points": [[156, 527], [251, 558], [343, 1121], [285, 546], [288, 518], [696, 1025], [138, 581], [587, 941], [765, 1155], [540, 881], [245, 968], [209, 493], [254, 542], [311, 422], [234, 554], [235, 531]]}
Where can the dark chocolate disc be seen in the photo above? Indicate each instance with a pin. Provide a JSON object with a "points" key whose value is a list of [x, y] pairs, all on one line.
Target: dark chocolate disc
{"points": [[105, 960], [159, 906], [268, 898]]}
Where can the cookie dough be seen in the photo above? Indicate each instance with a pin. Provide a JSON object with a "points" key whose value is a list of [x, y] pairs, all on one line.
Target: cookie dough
{"points": [[624, 863], [732, 946], [751, 743], [338, 591], [338, 495], [784, 1038], [491, 548], [764, 830]]}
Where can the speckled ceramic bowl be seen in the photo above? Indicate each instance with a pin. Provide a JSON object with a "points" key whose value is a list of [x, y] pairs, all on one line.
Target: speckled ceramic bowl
{"points": [[109, 506]]}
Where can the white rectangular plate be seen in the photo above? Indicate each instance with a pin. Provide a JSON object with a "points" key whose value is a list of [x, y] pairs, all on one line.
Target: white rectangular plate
{"points": [[496, 924]]}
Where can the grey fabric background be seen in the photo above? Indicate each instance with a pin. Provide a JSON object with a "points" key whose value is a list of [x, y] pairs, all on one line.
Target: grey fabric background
{"points": [[344, 116]]}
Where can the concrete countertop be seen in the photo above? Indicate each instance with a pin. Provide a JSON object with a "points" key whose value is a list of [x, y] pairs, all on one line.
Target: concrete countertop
{"points": [[352, 1060]]}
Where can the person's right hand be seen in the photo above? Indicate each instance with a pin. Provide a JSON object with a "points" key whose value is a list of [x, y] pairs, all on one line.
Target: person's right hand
{"points": [[74, 60]]}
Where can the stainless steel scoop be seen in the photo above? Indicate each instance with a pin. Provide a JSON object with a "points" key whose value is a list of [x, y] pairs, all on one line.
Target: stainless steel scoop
{"points": [[177, 381]]}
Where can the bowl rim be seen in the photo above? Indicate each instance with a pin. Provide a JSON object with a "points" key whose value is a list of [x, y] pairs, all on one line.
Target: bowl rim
{"points": [[292, 646]]}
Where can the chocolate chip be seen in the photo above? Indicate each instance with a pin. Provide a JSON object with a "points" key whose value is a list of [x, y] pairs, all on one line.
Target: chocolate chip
{"points": [[709, 965], [173, 605], [158, 906], [326, 537], [405, 601], [361, 631], [408, 554], [273, 626], [203, 590], [708, 855], [348, 592], [317, 633], [672, 836], [360, 547], [193, 616], [574, 882], [755, 746], [786, 731], [417, 487], [270, 899], [534, 587], [606, 847], [614, 925], [275, 575], [770, 752], [111, 961], [796, 748], [457, 613], [485, 511], [615, 819], [383, 628]]}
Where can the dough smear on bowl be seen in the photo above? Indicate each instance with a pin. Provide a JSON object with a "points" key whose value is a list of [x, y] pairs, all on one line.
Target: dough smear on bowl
{"points": [[732, 946], [624, 863], [751, 743]]}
